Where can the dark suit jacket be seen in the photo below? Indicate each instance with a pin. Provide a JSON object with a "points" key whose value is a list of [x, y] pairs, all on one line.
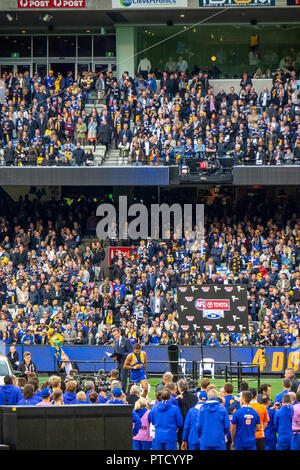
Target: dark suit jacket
{"points": [[13, 358], [124, 349]]}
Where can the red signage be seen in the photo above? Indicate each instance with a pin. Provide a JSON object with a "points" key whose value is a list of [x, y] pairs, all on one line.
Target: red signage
{"points": [[123, 249], [212, 304], [51, 3]]}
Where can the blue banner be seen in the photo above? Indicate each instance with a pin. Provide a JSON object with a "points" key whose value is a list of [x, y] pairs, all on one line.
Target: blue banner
{"points": [[269, 360]]}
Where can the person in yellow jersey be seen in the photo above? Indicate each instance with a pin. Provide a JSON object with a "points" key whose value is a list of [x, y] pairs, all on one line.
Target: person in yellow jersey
{"points": [[136, 362]]}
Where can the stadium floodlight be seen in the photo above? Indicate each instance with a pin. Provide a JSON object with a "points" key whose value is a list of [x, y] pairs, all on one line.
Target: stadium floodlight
{"points": [[46, 17], [10, 16]]}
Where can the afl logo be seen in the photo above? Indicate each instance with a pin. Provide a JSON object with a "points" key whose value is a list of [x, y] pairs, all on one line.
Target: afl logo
{"points": [[182, 289], [205, 289], [231, 328], [200, 304], [229, 289], [189, 299]]}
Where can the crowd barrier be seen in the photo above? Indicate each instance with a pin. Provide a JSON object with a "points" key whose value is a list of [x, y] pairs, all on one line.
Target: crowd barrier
{"points": [[270, 360], [72, 427]]}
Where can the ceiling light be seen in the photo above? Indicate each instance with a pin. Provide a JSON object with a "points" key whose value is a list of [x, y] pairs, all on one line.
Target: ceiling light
{"points": [[182, 16]]}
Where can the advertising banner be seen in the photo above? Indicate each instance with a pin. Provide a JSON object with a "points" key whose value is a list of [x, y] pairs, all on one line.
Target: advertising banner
{"points": [[236, 3], [269, 360], [134, 4], [124, 250], [27, 4], [213, 308]]}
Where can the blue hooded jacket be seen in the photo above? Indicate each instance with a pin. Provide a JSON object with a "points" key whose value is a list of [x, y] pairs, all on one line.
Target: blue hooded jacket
{"points": [[283, 422], [100, 399], [69, 398], [270, 433], [212, 423], [190, 433], [10, 395], [166, 418], [137, 423], [27, 402]]}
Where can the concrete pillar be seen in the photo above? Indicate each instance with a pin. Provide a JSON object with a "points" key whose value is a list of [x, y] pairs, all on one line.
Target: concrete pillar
{"points": [[126, 49]]}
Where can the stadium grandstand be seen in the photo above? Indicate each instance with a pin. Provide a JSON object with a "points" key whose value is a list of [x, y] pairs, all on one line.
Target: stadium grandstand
{"points": [[174, 325]]}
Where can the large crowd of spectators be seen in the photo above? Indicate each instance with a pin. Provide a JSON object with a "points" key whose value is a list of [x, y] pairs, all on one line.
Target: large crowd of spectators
{"points": [[52, 286], [166, 121]]}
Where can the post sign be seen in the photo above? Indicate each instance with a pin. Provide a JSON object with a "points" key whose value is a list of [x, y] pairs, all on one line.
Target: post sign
{"points": [[236, 3], [28, 4], [213, 308]]}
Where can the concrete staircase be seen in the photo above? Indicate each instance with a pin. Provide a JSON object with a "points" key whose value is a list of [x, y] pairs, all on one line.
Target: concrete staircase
{"points": [[99, 105], [99, 154], [113, 159]]}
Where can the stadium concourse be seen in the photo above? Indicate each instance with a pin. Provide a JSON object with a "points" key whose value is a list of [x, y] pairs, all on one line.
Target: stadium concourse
{"points": [[169, 119]]}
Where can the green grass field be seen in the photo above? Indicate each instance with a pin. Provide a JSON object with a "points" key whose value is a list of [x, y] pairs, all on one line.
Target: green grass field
{"points": [[276, 384]]}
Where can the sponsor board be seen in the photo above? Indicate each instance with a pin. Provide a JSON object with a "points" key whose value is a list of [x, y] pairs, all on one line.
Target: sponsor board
{"points": [[124, 250], [236, 3], [133, 4], [220, 308]]}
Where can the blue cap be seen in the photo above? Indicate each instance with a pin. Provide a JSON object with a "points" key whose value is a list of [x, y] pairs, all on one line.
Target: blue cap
{"points": [[45, 393], [117, 392]]}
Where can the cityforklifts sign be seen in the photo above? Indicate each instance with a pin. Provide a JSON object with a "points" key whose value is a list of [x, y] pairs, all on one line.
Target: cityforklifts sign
{"points": [[25, 4], [149, 4]]}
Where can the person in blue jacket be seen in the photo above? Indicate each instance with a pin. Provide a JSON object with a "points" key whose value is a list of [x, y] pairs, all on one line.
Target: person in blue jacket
{"points": [[287, 384], [89, 388], [245, 422], [28, 396], [190, 437], [137, 423], [231, 404], [270, 433], [118, 397], [283, 423], [166, 418], [9, 394], [81, 398], [212, 423], [69, 397]]}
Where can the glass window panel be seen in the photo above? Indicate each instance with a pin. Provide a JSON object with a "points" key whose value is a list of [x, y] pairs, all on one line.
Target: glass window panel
{"points": [[84, 46], [15, 46], [200, 44], [103, 45], [62, 46], [40, 46]]}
